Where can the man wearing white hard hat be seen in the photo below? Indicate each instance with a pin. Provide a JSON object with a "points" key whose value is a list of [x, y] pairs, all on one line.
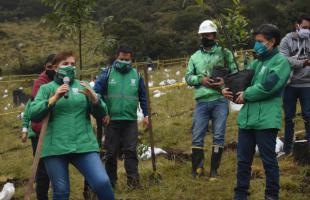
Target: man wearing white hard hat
{"points": [[205, 71]]}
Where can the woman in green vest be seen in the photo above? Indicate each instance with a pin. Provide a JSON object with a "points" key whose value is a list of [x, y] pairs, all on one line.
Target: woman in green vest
{"points": [[260, 117], [69, 135]]}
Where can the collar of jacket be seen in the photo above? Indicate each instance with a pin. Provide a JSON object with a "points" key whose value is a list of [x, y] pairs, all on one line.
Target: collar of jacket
{"points": [[212, 50], [269, 55]]}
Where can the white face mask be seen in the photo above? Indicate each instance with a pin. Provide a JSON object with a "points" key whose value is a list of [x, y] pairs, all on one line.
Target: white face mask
{"points": [[303, 33]]}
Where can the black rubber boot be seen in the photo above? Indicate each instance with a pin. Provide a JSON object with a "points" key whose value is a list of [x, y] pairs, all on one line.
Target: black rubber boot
{"points": [[215, 160], [133, 183], [197, 162]]}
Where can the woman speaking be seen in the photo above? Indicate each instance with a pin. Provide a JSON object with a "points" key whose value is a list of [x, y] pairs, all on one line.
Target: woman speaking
{"points": [[69, 135]]}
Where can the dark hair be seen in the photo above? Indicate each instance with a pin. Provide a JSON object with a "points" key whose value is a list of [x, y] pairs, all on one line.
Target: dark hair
{"points": [[62, 56], [269, 31], [50, 58], [303, 17], [124, 48]]}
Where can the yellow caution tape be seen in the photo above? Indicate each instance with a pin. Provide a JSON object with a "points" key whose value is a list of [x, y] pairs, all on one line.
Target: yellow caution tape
{"points": [[165, 87], [9, 113]]}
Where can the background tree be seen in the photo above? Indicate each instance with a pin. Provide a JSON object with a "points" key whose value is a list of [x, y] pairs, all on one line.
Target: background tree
{"points": [[71, 16]]}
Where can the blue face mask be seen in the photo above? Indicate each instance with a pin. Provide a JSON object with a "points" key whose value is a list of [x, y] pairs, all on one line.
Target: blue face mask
{"points": [[260, 49]]}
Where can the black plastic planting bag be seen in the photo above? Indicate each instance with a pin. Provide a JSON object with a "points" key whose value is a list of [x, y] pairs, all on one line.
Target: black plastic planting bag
{"points": [[239, 81], [301, 152], [219, 71]]}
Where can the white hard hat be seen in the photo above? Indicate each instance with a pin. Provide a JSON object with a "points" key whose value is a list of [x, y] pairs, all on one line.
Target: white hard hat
{"points": [[207, 26]]}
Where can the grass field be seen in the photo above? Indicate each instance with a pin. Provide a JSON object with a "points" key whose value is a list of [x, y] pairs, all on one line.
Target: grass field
{"points": [[172, 118]]}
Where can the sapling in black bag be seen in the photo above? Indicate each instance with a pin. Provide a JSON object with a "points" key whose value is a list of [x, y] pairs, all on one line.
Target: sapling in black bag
{"points": [[220, 71], [236, 82], [239, 81]]}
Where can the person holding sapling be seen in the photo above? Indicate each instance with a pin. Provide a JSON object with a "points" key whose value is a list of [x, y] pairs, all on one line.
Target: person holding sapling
{"points": [[260, 118], [205, 71]]}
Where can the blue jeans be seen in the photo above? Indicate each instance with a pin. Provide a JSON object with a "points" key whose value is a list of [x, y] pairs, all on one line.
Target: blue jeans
{"points": [[216, 111], [291, 94], [89, 164], [266, 142]]}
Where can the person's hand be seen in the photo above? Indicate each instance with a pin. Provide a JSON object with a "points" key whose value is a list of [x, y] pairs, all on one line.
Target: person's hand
{"points": [[206, 81], [218, 83], [146, 121], [307, 63], [106, 120], [227, 94], [89, 93], [240, 98], [24, 137], [61, 90]]}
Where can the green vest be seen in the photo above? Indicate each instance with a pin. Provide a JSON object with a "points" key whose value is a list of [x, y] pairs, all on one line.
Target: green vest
{"points": [[122, 94]]}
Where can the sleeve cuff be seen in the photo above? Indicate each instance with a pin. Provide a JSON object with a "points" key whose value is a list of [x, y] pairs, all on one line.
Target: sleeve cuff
{"points": [[25, 130]]}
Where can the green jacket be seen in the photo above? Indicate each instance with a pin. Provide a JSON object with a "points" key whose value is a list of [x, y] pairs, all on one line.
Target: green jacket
{"points": [[201, 64], [26, 121], [69, 128], [263, 103], [122, 94]]}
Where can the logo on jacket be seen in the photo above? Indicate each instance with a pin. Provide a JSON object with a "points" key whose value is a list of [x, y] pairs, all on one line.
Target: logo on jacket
{"points": [[112, 81], [75, 90], [133, 82]]}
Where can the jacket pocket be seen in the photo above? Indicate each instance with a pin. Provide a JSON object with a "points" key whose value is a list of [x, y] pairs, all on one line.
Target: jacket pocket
{"points": [[253, 114]]}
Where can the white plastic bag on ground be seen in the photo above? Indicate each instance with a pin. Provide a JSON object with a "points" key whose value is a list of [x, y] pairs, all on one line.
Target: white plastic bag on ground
{"points": [[163, 83], [151, 83], [147, 154], [279, 146], [171, 81], [7, 191], [140, 114], [158, 93], [235, 107]]}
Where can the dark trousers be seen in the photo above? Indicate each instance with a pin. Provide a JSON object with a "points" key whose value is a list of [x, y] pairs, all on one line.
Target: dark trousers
{"points": [[266, 142], [121, 137], [290, 97], [42, 179]]}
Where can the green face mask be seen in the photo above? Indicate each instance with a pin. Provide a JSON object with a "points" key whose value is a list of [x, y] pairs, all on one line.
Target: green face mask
{"points": [[66, 71], [122, 66]]}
